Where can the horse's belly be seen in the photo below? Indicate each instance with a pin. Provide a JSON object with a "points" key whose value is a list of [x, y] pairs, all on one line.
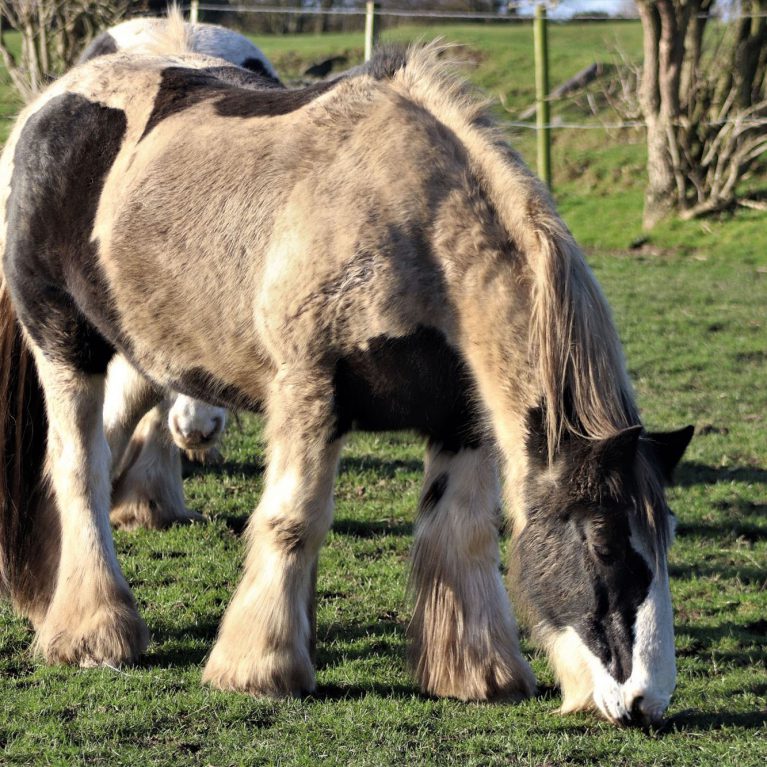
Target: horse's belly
{"points": [[413, 382]]}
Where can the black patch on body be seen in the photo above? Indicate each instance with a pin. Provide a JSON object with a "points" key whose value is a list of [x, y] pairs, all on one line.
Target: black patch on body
{"points": [[244, 78], [574, 561], [61, 161], [413, 382], [234, 92], [258, 67], [101, 45], [434, 494]]}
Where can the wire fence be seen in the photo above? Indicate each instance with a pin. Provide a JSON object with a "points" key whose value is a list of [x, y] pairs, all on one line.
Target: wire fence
{"points": [[514, 12], [523, 14]]}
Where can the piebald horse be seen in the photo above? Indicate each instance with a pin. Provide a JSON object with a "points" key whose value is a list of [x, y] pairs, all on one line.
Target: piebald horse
{"points": [[365, 253]]}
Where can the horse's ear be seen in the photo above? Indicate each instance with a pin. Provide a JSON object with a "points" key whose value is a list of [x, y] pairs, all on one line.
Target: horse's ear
{"points": [[617, 452], [668, 448]]}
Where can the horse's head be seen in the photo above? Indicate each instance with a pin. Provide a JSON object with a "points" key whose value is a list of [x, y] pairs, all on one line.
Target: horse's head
{"points": [[590, 570], [195, 425]]}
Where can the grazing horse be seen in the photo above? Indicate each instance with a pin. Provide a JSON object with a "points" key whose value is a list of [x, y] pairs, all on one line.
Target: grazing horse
{"points": [[208, 39], [366, 253], [147, 485]]}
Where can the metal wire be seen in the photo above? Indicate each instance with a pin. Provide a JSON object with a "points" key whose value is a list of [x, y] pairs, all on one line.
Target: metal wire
{"points": [[427, 14]]}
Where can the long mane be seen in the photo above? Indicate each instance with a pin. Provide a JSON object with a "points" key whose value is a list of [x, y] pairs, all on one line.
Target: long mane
{"points": [[171, 37], [574, 347]]}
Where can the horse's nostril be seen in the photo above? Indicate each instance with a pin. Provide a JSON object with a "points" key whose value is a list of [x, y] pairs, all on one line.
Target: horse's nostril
{"points": [[636, 707]]}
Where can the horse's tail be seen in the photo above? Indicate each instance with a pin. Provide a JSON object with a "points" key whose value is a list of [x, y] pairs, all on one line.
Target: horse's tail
{"points": [[26, 531], [575, 351]]}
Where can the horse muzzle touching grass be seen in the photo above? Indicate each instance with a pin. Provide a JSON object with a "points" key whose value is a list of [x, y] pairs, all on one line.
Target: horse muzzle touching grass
{"points": [[377, 258], [590, 574], [194, 425]]}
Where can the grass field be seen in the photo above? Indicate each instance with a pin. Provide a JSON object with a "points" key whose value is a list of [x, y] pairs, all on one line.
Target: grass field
{"points": [[690, 305]]}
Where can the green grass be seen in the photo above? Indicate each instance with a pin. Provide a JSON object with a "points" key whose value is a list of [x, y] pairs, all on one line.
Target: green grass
{"points": [[690, 305]]}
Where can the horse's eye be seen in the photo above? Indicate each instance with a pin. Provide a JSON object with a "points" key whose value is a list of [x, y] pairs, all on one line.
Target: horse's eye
{"points": [[600, 545], [603, 553]]}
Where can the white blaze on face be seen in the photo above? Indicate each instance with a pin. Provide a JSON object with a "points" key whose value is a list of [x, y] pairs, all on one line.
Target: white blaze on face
{"points": [[195, 424], [645, 695], [653, 670]]}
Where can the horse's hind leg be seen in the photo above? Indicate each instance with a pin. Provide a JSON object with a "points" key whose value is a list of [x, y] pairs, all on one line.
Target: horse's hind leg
{"points": [[463, 635], [148, 490], [92, 618], [266, 639]]}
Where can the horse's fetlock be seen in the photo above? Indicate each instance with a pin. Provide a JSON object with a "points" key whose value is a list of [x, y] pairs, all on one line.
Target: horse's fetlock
{"points": [[79, 633]]}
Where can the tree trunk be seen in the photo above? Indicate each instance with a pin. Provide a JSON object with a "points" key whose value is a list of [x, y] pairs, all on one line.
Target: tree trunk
{"points": [[704, 105], [665, 25]]}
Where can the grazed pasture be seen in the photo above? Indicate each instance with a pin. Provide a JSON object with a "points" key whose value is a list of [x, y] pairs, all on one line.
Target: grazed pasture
{"points": [[691, 305]]}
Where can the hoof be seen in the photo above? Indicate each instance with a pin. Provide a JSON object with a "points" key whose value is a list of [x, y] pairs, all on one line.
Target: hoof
{"points": [[274, 675], [490, 679], [110, 635], [142, 512]]}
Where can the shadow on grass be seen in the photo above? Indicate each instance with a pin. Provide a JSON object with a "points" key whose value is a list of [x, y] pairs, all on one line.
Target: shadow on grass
{"points": [[692, 473], [356, 529], [330, 692], [746, 574], [384, 637], [254, 468], [381, 467], [724, 530], [706, 721], [352, 528]]}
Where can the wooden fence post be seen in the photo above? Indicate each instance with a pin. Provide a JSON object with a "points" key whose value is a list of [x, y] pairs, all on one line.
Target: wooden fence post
{"points": [[372, 27], [194, 11], [543, 115]]}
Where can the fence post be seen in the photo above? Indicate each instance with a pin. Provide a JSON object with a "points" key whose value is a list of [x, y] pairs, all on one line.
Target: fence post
{"points": [[372, 24], [194, 11], [543, 116]]}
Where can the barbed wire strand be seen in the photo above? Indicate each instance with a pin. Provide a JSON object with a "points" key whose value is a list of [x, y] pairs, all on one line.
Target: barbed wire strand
{"points": [[426, 14]]}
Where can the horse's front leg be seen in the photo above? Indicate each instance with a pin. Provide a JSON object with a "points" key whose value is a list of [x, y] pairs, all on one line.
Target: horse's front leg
{"points": [[92, 617], [266, 640], [463, 635]]}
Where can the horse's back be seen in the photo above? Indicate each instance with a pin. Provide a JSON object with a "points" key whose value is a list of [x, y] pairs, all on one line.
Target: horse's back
{"points": [[226, 228]]}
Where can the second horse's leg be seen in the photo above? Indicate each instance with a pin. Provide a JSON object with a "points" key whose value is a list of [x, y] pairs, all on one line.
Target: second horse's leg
{"points": [[148, 490]]}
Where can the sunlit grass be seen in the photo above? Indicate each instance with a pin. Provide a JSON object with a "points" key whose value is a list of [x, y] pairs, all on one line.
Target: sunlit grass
{"points": [[690, 304]]}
